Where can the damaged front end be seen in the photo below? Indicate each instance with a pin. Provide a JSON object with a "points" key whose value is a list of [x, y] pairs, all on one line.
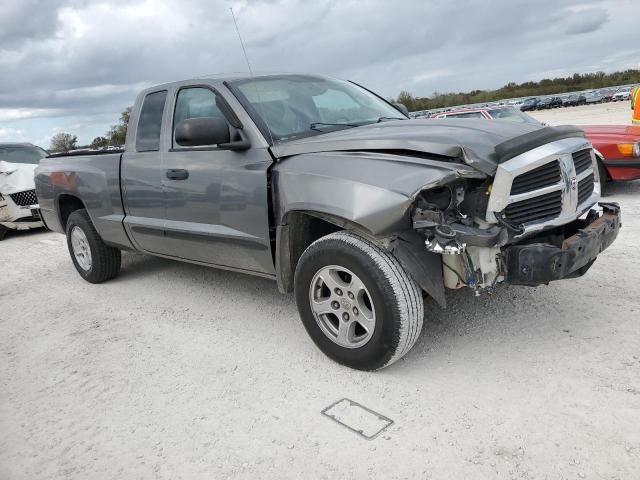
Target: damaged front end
{"points": [[470, 248], [535, 222]]}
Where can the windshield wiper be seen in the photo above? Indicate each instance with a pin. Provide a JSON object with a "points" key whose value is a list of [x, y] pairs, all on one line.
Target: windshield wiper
{"points": [[315, 125], [381, 119]]}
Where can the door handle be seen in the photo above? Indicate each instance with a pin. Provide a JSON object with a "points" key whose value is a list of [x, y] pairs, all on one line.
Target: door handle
{"points": [[177, 174]]}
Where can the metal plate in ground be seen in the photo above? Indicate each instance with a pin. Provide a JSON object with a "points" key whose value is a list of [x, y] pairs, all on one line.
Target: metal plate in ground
{"points": [[357, 418]]}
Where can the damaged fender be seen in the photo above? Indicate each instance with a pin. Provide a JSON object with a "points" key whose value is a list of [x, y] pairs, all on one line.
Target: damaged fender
{"points": [[369, 192]]}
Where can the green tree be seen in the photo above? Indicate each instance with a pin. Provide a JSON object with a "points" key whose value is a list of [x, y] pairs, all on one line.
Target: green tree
{"points": [[407, 100], [63, 142], [118, 133], [99, 142]]}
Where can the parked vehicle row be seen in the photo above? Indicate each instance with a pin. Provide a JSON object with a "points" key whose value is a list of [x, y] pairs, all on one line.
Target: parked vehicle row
{"points": [[603, 95], [617, 147], [335, 194]]}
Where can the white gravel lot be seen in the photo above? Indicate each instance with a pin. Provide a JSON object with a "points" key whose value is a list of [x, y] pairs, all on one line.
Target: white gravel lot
{"points": [[179, 371], [614, 113]]}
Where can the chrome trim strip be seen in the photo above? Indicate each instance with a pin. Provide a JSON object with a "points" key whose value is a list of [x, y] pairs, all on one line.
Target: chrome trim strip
{"points": [[561, 151], [534, 193]]}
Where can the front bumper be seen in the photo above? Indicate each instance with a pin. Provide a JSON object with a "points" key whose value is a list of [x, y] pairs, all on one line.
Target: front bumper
{"points": [[538, 263], [16, 217]]}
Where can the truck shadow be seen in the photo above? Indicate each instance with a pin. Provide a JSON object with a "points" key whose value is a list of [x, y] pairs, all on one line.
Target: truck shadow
{"points": [[621, 188], [137, 267], [511, 319], [17, 235]]}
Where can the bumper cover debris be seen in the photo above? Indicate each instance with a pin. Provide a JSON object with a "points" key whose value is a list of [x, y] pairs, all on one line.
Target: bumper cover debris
{"points": [[539, 263]]}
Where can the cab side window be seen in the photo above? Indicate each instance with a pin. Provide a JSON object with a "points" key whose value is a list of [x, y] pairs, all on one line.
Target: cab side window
{"points": [[195, 102], [150, 123]]}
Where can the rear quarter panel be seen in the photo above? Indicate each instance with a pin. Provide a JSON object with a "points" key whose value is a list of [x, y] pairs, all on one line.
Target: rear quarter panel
{"points": [[95, 181]]}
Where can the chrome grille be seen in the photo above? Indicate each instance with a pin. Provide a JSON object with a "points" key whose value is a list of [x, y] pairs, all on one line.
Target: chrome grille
{"points": [[543, 176], [24, 199], [547, 186], [582, 160], [535, 209], [585, 188]]}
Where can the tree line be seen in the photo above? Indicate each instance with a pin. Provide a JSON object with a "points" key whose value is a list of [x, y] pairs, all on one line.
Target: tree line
{"points": [[65, 142], [546, 86]]}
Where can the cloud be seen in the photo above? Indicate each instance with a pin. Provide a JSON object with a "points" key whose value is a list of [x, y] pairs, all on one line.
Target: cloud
{"points": [[76, 64], [27, 20], [12, 135], [586, 21]]}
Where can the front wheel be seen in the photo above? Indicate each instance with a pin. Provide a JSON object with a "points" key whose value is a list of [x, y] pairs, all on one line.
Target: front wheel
{"points": [[358, 304], [94, 260]]}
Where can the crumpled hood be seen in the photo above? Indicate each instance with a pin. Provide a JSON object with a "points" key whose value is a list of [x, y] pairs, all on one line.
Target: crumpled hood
{"points": [[16, 177], [470, 140]]}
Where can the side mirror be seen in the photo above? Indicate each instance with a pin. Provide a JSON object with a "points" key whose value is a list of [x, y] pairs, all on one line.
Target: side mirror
{"points": [[197, 132], [402, 108], [204, 131]]}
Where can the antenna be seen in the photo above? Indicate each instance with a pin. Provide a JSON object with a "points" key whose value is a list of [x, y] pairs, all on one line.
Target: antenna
{"points": [[241, 42], [246, 57]]}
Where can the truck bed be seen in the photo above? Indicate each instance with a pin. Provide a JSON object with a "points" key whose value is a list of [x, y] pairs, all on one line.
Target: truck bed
{"points": [[92, 176]]}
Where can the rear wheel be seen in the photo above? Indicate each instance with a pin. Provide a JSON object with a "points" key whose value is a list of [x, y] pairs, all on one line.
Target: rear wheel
{"points": [[357, 303], [95, 261], [3, 232]]}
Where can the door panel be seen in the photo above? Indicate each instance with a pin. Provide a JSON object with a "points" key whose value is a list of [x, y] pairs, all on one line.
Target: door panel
{"points": [[141, 176], [144, 199], [219, 213]]}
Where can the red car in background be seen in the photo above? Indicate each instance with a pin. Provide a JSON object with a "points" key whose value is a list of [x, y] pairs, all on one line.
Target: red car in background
{"points": [[617, 146]]}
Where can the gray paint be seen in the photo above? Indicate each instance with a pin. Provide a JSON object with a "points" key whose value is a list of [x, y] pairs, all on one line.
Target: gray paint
{"points": [[365, 177], [372, 190], [469, 140], [95, 179]]}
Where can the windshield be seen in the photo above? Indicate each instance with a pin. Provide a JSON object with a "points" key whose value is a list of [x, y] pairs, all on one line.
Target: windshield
{"points": [[295, 106], [512, 115], [21, 154]]}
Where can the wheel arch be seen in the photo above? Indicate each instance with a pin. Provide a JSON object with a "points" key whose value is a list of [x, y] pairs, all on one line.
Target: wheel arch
{"points": [[67, 204], [601, 166], [298, 230]]}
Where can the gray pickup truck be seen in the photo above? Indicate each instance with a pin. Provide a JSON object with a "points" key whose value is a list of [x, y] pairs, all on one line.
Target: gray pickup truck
{"points": [[334, 193]]}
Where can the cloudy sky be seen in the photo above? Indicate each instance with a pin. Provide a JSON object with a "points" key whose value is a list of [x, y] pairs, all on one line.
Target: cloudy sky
{"points": [[73, 65]]}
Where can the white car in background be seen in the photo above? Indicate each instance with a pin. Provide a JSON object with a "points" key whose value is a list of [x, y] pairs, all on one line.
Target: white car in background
{"points": [[622, 94], [19, 208]]}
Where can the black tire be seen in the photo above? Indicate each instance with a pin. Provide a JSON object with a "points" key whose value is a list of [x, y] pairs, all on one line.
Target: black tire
{"points": [[396, 298], [3, 232], [105, 260]]}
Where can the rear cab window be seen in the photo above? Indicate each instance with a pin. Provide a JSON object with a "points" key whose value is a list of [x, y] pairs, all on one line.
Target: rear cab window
{"points": [[150, 123]]}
